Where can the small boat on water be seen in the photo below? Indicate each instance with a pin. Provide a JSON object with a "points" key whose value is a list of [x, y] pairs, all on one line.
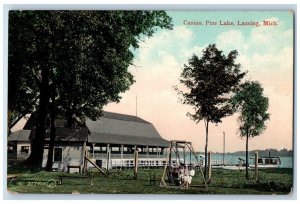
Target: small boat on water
{"points": [[266, 162], [263, 162]]}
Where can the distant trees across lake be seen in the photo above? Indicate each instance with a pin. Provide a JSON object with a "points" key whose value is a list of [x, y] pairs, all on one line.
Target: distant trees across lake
{"points": [[264, 153]]}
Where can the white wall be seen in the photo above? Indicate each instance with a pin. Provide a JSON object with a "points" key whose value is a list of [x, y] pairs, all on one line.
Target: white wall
{"points": [[72, 154], [20, 155]]}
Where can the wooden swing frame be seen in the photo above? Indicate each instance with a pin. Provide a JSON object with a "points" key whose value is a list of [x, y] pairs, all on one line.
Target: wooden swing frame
{"points": [[174, 146]]}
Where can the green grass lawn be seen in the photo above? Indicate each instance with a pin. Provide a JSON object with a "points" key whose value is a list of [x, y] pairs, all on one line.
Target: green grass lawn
{"points": [[272, 181]]}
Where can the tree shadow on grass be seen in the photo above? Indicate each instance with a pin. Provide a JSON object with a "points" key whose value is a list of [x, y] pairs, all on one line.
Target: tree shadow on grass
{"points": [[19, 167], [270, 187]]}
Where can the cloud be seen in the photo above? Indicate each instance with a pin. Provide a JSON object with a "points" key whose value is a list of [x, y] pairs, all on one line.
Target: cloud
{"points": [[232, 40], [265, 39], [168, 41], [161, 59], [265, 52], [262, 39]]}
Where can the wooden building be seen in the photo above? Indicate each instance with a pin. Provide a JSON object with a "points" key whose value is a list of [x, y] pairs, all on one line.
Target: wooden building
{"points": [[18, 147], [109, 141], [114, 137]]}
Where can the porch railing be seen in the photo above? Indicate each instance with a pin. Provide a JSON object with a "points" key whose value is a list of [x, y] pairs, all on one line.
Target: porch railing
{"points": [[125, 156]]}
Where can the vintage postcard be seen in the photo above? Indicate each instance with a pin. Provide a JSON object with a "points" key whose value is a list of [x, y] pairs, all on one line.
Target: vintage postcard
{"points": [[150, 102]]}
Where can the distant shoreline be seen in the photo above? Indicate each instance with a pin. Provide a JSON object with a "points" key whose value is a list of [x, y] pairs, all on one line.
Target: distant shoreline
{"points": [[264, 153]]}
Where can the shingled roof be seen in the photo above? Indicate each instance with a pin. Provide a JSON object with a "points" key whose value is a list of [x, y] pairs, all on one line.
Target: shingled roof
{"points": [[71, 134], [20, 135], [114, 128], [111, 128], [118, 116]]}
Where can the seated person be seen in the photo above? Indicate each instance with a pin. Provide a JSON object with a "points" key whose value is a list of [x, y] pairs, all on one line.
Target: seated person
{"points": [[187, 179]]}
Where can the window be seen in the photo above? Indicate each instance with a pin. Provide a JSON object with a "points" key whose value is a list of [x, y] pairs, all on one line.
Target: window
{"points": [[129, 150], [10, 149], [57, 154], [95, 149], [274, 161], [25, 149], [115, 149]]}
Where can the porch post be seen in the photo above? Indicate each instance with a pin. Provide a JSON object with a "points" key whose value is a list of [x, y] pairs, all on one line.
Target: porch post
{"points": [[256, 166], [147, 155], [136, 162], [84, 162], [122, 147], [108, 157], [159, 153], [93, 150]]}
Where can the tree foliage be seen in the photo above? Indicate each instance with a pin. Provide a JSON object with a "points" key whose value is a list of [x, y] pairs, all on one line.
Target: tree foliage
{"points": [[88, 53], [210, 80], [81, 56], [252, 105], [22, 92], [102, 53]]}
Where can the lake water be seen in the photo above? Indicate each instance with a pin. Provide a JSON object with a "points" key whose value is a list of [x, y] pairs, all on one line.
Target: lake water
{"points": [[286, 162]]}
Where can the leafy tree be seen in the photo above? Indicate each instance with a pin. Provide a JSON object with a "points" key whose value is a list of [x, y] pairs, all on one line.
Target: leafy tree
{"points": [[252, 105], [209, 81], [22, 93], [81, 56]]}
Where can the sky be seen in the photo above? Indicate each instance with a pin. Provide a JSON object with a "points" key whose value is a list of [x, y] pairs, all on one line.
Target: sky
{"points": [[266, 52]]}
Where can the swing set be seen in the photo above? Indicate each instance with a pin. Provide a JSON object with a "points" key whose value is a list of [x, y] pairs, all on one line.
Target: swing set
{"points": [[179, 167]]}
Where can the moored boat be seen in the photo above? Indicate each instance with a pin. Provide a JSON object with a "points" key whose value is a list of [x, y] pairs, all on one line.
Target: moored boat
{"points": [[266, 162]]}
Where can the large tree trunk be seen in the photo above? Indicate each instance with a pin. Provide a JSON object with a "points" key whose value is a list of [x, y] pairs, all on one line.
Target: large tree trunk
{"points": [[52, 135], [37, 143], [206, 143], [69, 117], [247, 162]]}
